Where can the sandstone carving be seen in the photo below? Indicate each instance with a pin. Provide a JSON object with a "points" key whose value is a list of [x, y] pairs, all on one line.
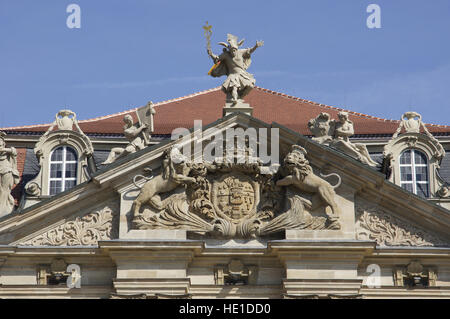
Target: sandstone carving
{"points": [[138, 136], [233, 199], [301, 176], [415, 275], [8, 176], [235, 273], [444, 191], [234, 62], [336, 134], [411, 122], [375, 224], [86, 230], [175, 171]]}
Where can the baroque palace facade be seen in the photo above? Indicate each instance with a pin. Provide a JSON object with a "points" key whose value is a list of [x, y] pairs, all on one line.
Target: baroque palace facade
{"points": [[136, 223], [116, 207]]}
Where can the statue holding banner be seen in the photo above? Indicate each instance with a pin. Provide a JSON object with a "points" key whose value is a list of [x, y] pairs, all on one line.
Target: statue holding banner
{"points": [[137, 135]]}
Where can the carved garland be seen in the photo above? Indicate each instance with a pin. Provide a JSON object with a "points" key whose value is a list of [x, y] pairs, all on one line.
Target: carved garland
{"points": [[86, 230], [375, 224]]}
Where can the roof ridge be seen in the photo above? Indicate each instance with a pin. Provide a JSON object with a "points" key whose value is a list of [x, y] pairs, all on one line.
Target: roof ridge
{"points": [[324, 105], [119, 113], [338, 108]]}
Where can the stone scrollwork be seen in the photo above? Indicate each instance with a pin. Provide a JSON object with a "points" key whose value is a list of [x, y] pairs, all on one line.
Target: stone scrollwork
{"points": [[82, 231], [375, 224], [233, 200], [336, 134]]}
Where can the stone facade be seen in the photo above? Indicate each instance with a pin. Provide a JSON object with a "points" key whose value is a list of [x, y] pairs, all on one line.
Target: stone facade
{"points": [[159, 224]]}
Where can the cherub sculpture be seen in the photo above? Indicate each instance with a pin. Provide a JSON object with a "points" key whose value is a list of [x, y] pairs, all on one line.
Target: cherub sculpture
{"points": [[234, 62], [8, 176]]}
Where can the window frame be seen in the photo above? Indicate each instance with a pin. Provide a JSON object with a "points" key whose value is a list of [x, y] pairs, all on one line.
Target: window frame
{"points": [[413, 166], [64, 163]]}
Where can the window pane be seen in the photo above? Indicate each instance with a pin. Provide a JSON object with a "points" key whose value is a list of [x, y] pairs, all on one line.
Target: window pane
{"points": [[71, 155], [56, 170], [57, 154], [408, 187], [71, 170], [69, 184], [405, 174], [55, 187], [422, 174], [405, 158], [420, 158], [422, 190]]}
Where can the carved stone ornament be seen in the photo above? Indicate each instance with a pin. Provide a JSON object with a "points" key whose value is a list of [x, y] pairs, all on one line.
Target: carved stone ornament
{"points": [[444, 191], [138, 136], [373, 223], [82, 231], [415, 275], [60, 133], [234, 199], [336, 134], [235, 273], [9, 176], [411, 123]]}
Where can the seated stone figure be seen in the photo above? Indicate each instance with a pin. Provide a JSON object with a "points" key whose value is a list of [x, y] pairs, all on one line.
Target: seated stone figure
{"points": [[135, 137], [336, 134], [342, 131]]}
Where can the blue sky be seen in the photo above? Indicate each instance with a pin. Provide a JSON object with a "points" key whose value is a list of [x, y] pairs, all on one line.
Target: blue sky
{"points": [[129, 52]]}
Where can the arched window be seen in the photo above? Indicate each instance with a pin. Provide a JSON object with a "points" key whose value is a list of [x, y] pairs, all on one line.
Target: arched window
{"points": [[63, 169], [414, 172]]}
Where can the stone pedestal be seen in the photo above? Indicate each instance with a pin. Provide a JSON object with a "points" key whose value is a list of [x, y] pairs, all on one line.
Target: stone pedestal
{"points": [[238, 107]]}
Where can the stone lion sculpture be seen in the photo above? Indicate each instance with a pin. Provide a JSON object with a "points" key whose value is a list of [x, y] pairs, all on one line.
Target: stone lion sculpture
{"points": [[175, 172], [302, 176]]}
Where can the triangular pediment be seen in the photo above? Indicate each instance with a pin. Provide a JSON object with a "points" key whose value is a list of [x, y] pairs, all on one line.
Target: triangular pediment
{"points": [[104, 207]]}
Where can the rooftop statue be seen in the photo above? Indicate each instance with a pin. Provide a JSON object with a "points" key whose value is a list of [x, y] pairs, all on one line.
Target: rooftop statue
{"points": [[336, 134], [134, 135], [8, 176], [234, 62], [138, 135]]}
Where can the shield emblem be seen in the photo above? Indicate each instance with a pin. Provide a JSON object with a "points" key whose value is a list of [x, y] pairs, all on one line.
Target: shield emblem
{"points": [[235, 197]]}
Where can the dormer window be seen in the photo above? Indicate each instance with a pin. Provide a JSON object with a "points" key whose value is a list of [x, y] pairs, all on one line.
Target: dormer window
{"points": [[414, 172], [413, 156], [63, 169], [64, 153]]}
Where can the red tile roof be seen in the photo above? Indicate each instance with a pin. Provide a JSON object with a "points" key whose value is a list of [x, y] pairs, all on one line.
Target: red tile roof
{"points": [[268, 106]]}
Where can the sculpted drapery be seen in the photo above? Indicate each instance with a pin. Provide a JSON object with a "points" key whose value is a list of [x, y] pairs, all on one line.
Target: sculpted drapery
{"points": [[8, 176]]}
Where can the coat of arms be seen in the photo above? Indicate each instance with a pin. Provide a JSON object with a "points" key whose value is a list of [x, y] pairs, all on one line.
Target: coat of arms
{"points": [[235, 197], [231, 199]]}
